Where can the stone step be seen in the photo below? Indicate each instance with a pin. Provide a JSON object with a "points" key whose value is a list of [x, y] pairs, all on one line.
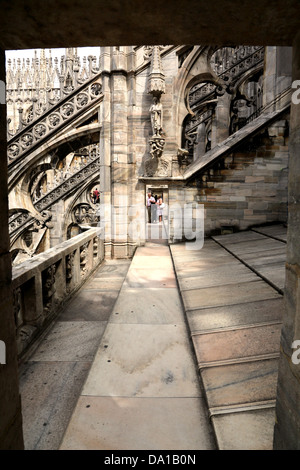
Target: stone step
{"points": [[235, 317]]}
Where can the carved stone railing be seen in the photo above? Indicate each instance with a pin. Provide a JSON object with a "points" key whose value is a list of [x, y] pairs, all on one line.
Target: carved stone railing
{"points": [[51, 94], [68, 185], [57, 193], [237, 65], [198, 119], [54, 119], [42, 285]]}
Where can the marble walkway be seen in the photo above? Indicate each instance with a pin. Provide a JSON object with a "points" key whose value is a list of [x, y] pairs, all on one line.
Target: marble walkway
{"points": [[175, 349], [143, 391]]}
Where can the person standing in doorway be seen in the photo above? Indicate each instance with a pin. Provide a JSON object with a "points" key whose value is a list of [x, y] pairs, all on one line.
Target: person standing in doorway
{"points": [[150, 201], [154, 210], [160, 206]]}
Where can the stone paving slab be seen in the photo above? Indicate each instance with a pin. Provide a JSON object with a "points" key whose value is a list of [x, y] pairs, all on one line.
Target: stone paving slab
{"points": [[275, 274], [265, 256], [247, 430], [261, 311], [112, 269], [277, 231], [90, 305], [143, 389], [241, 383], [237, 344], [143, 361], [255, 246], [151, 262], [277, 255], [53, 376], [98, 283], [148, 306], [102, 423], [70, 341], [199, 268], [160, 250], [228, 294], [152, 278], [237, 237], [216, 277], [49, 392], [235, 325]]}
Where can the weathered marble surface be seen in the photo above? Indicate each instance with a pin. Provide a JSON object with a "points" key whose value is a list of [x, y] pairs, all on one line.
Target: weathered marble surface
{"points": [[53, 376], [235, 320], [143, 390]]}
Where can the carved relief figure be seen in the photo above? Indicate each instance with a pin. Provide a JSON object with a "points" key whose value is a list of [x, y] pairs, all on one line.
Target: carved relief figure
{"points": [[156, 146], [49, 288]]}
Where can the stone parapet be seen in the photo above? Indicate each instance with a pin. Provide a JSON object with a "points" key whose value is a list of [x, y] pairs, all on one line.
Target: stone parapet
{"points": [[43, 284]]}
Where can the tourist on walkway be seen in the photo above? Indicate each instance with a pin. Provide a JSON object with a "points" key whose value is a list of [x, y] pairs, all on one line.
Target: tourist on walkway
{"points": [[96, 196]]}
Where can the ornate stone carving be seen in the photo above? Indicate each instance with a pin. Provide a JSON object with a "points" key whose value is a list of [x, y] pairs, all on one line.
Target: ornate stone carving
{"points": [[44, 124], [60, 190], [17, 307], [32, 90], [156, 81], [156, 87], [24, 335], [95, 247], [83, 259], [69, 269], [157, 167], [85, 214], [49, 288]]}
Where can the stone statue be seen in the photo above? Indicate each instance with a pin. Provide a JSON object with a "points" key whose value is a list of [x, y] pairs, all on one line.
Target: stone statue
{"points": [[156, 116]]}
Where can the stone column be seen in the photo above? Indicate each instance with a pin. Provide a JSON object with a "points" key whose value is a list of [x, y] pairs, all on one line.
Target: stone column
{"points": [[199, 147], [135, 190], [105, 151], [277, 76], [119, 154], [287, 427], [221, 122], [11, 437]]}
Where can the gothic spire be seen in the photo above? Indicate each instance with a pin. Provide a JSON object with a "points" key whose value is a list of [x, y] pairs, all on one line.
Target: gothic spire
{"points": [[156, 81]]}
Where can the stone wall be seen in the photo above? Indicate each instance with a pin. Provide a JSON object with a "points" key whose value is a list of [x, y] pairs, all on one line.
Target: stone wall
{"points": [[41, 286], [287, 427], [248, 187]]}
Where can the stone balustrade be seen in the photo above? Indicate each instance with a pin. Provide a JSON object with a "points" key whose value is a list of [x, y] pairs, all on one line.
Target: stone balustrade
{"points": [[53, 119], [244, 59], [43, 284]]}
